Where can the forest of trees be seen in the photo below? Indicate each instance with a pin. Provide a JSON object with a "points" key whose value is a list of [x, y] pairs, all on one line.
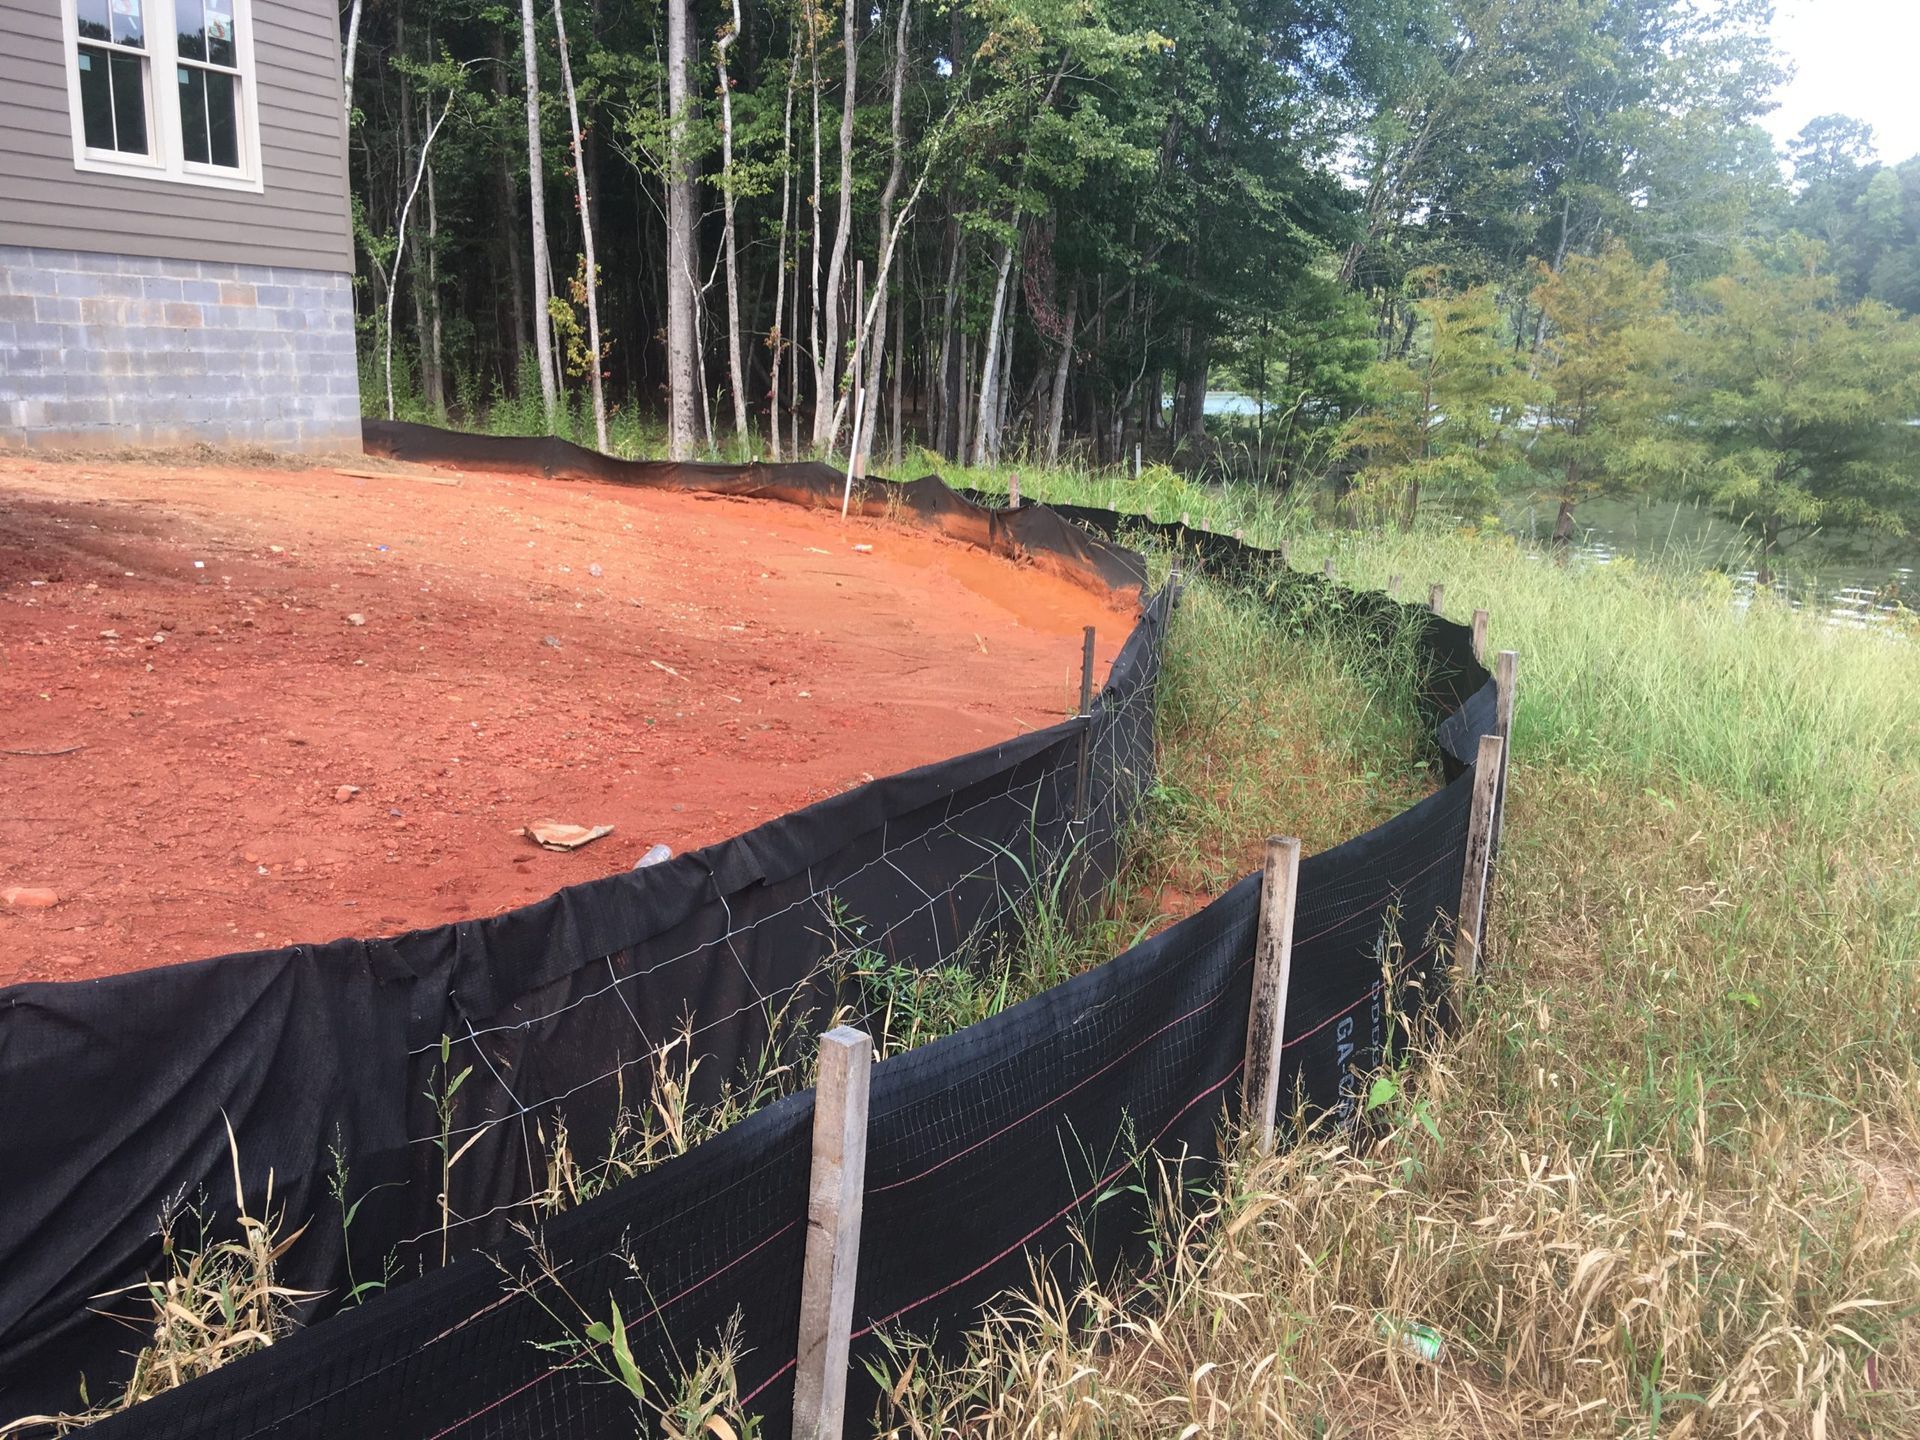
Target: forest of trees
{"points": [[1448, 246]]}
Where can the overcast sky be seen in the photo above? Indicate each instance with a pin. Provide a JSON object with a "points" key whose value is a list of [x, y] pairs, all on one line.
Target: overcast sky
{"points": [[1854, 57]]}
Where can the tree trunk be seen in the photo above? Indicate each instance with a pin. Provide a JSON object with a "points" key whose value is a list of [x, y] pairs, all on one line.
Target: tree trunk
{"points": [[986, 433], [777, 342], [736, 371], [436, 376], [353, 46], [1192, 420], [516, 281], [819, 230], [877, 344], [680, 251], [951, 443], [586, 232], [963, 444], [1563, 524], [1057, 410], [400, 247], [536, 190], [899, 365], [827, 362]]}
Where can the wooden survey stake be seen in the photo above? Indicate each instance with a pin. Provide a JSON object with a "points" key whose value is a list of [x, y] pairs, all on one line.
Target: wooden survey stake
{"points": [[1470, 928], [1272, 969], [833, 1234], [1086, 733]]}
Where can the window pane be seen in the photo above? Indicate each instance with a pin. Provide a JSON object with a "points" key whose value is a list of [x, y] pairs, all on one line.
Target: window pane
{"points": [[192, 25], [94, 24], [129, 102], [129, 24], [223, 131], [96, 100], [193, 113], [219, 26]]}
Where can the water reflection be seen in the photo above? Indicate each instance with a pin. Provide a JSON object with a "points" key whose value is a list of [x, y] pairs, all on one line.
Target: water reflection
{"points": [[1854, 582]]}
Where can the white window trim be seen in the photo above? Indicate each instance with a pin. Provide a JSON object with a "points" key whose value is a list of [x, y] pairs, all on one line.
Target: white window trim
{"points": [[166, 159]]}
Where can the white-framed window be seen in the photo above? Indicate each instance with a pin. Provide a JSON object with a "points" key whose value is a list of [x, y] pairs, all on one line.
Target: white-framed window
{"points": [[164, 89]]}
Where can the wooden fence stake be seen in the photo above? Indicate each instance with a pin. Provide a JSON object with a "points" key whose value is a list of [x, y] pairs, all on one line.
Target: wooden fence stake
{"points": [[1013, 492], [1136, 459], [1086, 734], [1286, 555], [1480, 636], [1436, 598], [1470, 927], [1326, 568], [1506, 671], [1393, 587], [833, 1234], [1272, 968]]}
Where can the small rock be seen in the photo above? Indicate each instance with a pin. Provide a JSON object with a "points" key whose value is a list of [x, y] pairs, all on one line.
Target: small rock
{"points": [[554, 641], [863, 549], [356, 619], [159, 636], [346, 793], [109, 634], [166, 625], [29, 897], [395, 813], [595, 571]]}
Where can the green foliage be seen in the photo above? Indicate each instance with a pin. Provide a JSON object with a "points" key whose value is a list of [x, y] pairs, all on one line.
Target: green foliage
{"points": [[1802, 407], [1441, 420], [1606, 360]]}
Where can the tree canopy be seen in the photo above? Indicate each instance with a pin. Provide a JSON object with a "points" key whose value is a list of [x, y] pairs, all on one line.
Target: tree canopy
{"points": [[1442, 245]]}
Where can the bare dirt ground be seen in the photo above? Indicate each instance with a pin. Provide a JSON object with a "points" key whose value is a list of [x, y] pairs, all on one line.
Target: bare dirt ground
{"points": [[232, 649]]}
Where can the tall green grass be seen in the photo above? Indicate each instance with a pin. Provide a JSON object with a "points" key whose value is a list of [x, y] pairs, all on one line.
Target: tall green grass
{"points": [[1665, 1179]]}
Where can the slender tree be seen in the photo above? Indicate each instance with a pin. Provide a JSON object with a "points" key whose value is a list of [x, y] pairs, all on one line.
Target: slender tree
{"points": [[681, 281], [1606, 355], [736, 370], [536, 193], [827, 360], [592, 278]]}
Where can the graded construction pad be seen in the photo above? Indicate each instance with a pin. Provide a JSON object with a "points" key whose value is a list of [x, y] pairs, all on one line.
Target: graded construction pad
{"points": [[1033, 1135], [268, 772]]}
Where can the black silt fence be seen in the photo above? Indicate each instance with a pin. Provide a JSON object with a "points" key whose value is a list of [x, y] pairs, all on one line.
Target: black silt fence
{"points": [[987, 1150]]}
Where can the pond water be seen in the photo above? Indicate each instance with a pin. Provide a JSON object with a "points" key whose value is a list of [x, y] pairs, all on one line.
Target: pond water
{"points": [[1853, 579]]}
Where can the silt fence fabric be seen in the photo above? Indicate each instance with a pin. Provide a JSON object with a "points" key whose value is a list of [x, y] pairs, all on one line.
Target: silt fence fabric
{"points": [[1029, 1139]]}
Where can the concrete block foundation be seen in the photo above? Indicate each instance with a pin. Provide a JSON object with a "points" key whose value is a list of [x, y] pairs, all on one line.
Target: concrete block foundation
{"points": [[102, 351]]}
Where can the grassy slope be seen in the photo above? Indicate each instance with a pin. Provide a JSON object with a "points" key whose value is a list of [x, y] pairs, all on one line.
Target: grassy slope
{"points": [[1662, 1182]]}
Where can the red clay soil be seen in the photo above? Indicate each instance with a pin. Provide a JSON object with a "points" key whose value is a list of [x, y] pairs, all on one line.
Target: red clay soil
{"points": [[679, 667]]}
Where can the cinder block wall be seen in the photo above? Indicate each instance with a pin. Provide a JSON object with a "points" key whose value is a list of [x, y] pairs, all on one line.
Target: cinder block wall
{"points": [[99, 351]]}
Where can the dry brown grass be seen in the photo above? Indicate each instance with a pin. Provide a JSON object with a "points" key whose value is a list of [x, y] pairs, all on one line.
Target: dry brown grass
{"points": [[1689, 1289], [213, 1302], [1663, 1182]]}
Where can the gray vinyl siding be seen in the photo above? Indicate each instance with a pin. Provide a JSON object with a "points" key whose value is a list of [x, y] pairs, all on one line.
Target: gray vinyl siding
{"points": [[301, 221]]}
